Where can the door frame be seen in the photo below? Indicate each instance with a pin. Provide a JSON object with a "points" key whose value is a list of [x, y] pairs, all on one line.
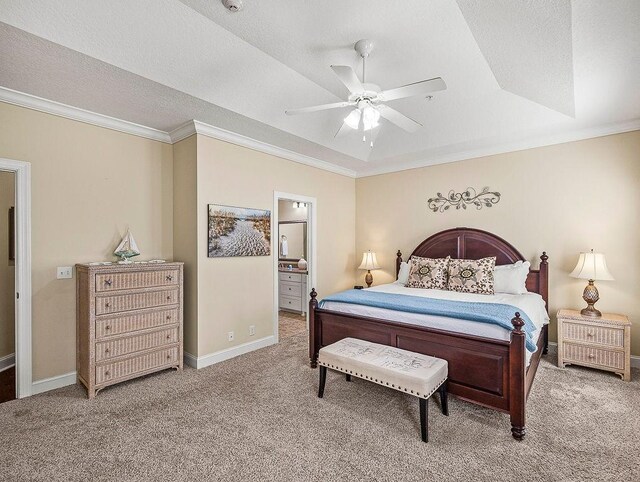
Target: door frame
{"points": [[23, 347], [312, 209]]}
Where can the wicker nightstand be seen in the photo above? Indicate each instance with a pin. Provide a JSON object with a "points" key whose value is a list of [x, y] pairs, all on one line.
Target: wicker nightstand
{"points": [[603, 343]]}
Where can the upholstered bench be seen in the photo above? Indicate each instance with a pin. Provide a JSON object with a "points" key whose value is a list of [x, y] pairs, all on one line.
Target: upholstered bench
{"points": [[402, 370]]}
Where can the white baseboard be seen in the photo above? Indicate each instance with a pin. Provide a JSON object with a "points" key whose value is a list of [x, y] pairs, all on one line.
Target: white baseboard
{"points": [[220, 356], [52, 383], [635, 360], [7, 362]]}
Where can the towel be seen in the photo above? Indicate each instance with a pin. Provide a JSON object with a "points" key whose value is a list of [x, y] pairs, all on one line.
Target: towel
{"points": [[284, 247]]}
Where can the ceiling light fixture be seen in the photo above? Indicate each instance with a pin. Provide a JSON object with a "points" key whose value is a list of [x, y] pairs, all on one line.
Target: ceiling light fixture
{"points": [[233, 5]]}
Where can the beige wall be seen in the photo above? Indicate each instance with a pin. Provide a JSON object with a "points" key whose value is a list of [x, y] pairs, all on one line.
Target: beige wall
{"points": [[562, 199], [7, 269], [238, 292], [88, 185], [185, 229]]}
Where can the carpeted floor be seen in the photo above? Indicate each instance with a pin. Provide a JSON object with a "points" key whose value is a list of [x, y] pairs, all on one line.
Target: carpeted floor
{"points": [[291, 324], [257, 417]]}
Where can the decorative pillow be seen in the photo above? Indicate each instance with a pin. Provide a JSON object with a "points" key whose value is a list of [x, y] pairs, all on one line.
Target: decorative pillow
{"points": [[403, 274], [511, 278], [471, 276], [428, 273]]}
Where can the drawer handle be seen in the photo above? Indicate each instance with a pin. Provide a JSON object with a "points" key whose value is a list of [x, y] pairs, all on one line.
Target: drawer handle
{"points": [[108, 282], [168, 337], [169, 278], [106, 351], [591, 355], [106, 305], [169, 297], [168, 317], [106, 374], [107, 328], [590, 333], [168, 357]]}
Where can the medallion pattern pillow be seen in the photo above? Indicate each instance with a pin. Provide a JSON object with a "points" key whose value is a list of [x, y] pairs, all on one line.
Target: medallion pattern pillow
{"points": [[471, 276], [428, 273]]}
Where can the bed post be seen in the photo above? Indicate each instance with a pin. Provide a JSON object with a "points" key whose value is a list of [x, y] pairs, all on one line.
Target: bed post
{"points": [[517, 379], [544, 292], [314, 330], [398, 261]]}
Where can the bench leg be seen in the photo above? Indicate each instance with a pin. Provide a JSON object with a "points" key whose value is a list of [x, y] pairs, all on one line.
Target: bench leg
{"points": [[424, 419], [444, 398], [323, 379], [347, 377]]}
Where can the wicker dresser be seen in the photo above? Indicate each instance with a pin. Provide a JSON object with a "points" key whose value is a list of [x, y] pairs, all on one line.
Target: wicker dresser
{"points": [[128, 321], [603, 342]]}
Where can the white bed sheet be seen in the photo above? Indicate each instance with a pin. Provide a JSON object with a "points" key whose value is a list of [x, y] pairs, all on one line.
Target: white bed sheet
{"points": [[530, 303]]}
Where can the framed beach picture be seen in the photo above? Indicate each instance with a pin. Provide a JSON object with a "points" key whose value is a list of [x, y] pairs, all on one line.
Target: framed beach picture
{"points": [[237, 231]]}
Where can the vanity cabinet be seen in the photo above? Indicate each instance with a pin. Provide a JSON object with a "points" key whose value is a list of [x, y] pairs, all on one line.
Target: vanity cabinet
{"points": [[293, 291]]}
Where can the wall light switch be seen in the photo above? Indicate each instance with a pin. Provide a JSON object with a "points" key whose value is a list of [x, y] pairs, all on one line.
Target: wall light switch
{"points": [[64, 272], [252, 330]]}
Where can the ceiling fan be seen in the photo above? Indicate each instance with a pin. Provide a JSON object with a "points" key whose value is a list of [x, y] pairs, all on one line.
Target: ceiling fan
{"points": [[369, 101]]}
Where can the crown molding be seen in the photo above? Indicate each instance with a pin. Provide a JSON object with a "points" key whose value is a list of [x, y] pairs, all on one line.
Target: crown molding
{"points": [[75, 113], [572, 136], [193, 127]]}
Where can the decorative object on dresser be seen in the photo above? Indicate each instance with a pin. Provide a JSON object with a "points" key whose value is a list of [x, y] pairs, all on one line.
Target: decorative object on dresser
{"points": [[591, 266], [603, 342], [292, 291], [369, 262], [469, 197], [127, 249], [237, 231], [128, 321]]}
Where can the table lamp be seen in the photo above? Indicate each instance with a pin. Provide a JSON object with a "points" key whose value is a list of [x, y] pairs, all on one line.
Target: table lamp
{"points": [[591, 266], [369, 262]]}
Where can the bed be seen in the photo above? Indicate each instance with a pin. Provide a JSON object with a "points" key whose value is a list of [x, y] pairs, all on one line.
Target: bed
{"points": [[489, 370]]}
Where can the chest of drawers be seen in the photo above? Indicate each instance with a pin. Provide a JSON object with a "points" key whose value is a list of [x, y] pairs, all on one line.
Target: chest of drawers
{"points": [[128, 322], [603, 342]]}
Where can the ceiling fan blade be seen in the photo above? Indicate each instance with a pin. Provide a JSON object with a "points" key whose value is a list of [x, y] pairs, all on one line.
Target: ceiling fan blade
{"points": [[399, 119], [349, 78], [317, 108], [419, 88]]}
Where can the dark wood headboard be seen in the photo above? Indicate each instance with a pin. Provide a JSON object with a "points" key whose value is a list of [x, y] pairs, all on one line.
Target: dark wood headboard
{"points": [[469, 243]]}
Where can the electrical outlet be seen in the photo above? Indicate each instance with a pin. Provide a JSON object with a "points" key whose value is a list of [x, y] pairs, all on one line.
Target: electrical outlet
{"points": [[64, 272], [252, 330], [231, 336]]}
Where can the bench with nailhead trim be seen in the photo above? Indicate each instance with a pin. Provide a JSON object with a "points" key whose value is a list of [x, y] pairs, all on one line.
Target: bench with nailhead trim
{"points": [[405, 371]]}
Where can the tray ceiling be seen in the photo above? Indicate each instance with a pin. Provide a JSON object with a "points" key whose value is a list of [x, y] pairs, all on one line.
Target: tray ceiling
{"points": [[516, 71]]}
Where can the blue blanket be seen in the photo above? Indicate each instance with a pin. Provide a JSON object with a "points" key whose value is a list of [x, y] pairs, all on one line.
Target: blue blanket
{"points": [[493, 313]]}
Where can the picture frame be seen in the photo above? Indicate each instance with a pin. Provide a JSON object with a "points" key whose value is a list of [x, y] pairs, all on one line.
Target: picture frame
{"points": [[238, 232]]}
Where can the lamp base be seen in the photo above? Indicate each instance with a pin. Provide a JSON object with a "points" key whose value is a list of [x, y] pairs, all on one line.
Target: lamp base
{"points": [[368, 279], [591, 295]]}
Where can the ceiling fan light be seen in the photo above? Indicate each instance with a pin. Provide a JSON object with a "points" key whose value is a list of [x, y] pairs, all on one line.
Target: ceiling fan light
{"points": [[370, 118], [353, 119]]}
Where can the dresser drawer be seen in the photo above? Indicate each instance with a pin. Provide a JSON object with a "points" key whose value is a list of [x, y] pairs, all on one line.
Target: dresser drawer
{"points": [[596, 356], [139, 279], [290, 303], [290, 289], [132, 344], [135, 301], [601, 335], [291, 277], [134, 322], [149, 361]]}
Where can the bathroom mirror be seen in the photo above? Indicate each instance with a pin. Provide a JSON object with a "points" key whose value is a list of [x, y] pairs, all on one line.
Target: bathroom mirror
{"points": [[292, 240]]}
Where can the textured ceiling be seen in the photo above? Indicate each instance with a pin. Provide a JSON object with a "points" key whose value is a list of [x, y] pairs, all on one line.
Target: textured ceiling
{"points": [[516, 70]]}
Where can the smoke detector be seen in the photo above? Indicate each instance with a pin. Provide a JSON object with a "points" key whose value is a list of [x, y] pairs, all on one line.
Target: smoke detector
{"points": [[233, 5]]}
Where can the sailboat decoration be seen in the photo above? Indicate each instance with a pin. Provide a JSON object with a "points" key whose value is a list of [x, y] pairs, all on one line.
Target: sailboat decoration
{"points": [[127, 249]]}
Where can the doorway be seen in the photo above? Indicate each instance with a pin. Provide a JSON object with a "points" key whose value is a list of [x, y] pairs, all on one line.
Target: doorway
{"points": [[7, 287], [294, 249], [15, 279]]}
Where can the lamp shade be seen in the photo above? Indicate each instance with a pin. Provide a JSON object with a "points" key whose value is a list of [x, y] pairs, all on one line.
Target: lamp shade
{"points": [[369, 261], [591, 266]]}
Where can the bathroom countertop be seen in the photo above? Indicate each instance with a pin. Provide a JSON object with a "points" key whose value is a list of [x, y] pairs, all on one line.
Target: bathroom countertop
{"points": [[293, 270]]}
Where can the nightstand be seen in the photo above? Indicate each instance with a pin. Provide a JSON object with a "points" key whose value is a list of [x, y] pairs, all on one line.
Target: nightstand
{"points": [[603, 343]]}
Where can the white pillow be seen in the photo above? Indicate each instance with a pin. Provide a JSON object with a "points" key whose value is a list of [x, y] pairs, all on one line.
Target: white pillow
{"points": [[403, 274], [511, 278]]}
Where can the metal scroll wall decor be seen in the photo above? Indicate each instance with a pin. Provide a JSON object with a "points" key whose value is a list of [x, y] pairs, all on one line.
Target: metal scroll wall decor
{"points": [[460, 200]]}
